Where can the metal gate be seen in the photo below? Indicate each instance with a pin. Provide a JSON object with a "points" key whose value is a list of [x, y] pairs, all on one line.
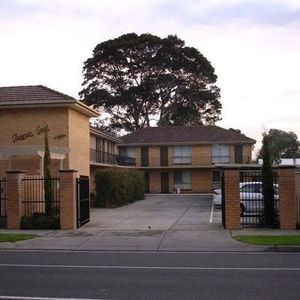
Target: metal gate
{"points": [[3, 203], [83, 200], [223, 198], [298, 197]]}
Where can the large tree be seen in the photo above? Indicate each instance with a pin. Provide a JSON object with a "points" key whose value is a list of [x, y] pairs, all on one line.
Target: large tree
{"points": [[144, 80], [282, 145]]}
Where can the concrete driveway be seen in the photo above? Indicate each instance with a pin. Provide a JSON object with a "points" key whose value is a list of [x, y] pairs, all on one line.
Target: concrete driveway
{"points": [[159, 213]]}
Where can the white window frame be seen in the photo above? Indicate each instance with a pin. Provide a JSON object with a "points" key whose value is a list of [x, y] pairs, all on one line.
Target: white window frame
{"points": [[186, 181], [220, 154], [128, 151], [181, 155]]}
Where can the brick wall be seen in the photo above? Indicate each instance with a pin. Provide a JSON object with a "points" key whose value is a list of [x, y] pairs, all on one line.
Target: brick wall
{"points": [[154, 156], [31, 121], [232, 198], [287, 198], [201, 155], [79, 142], [201, 181]]}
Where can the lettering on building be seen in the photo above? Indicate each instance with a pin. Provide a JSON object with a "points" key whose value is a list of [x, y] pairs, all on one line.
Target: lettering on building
{"points": [[29, 134], [59, 136], [21, 137], [40, 130]]}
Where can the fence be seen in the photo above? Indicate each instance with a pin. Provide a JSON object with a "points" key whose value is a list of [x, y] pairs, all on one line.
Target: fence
{"points": [[298, 197], [252, 203], [36, 200], [3, 198]]}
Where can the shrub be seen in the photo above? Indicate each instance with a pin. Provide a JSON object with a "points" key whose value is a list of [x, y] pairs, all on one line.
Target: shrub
{"points": [[40, 221], [115, 187]]}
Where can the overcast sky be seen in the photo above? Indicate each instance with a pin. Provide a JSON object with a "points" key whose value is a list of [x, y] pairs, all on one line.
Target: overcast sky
{"points": [[253, 45]]}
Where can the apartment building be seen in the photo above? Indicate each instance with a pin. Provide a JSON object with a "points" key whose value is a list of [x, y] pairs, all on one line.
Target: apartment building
{"points": [[26, 113], [185, 159], [173, 158]]}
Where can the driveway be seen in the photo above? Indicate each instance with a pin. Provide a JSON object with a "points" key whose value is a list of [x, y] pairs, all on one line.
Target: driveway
{"points": [[159, 223], [159, 213]]}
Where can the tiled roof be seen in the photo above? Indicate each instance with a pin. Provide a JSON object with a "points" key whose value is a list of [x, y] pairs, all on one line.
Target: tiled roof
{"points": [[100, 132], [32, 94], [185, 134]]}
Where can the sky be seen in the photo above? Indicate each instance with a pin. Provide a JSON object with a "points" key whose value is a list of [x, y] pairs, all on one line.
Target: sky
{"points": [[254, 46]]}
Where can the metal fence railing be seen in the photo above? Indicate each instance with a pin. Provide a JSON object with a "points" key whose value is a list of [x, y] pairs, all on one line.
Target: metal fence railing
{"points": [[298, 197], [110, 158], [252, 202], [3, 197], [36, 200]]}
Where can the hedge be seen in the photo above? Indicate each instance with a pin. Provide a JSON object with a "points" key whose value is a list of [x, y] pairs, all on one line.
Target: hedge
{"points": [[115, 187], [40, 221]]}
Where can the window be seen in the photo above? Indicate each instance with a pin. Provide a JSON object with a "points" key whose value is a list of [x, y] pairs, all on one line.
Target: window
{"points": [[182, 180], [164, 156], [220, 154], [127, 156], [127, 151], [144, 157], [181, 155]]}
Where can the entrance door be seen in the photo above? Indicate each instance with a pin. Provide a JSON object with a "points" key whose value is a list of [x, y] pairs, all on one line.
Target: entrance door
{"points": [[164, 182]]}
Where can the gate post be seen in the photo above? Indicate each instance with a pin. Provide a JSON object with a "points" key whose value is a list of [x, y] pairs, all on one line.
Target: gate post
{"points": [[68, 201], [232, 198], [14, 198], [287, 197]]}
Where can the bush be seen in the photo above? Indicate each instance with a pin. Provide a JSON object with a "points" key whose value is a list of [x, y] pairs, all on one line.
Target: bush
{"points": [[115, 187], [40, 221]]}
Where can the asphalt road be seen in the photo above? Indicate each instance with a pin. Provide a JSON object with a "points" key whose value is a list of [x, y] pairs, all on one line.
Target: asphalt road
{"points": [[149, 275]]}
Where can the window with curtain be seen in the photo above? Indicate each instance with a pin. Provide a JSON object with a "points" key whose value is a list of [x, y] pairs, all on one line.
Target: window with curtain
{"points": [[127, 156], [181, 155], [182, 180], [127, 151], [220, 154]]}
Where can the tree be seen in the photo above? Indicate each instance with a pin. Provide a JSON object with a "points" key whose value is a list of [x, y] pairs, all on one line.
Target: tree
{"points": [[47, 178], [146, 80], [282, 145], [267, 183]]}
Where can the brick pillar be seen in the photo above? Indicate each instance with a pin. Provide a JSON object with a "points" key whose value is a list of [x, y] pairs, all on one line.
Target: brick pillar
{"points": [[68, 205], [232, 198], [14, 198], [287, 197]]}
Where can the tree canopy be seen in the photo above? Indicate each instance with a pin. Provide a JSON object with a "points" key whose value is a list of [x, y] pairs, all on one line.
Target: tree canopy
{"points": [[282, 144], [144, 80]]}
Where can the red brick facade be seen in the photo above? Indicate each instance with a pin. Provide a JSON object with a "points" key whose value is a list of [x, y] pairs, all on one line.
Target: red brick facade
{"points": [[287, 196]]}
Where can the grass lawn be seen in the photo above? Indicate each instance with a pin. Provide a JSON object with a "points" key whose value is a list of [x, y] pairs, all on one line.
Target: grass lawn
{"points": [[277, 240], [15, 237]]}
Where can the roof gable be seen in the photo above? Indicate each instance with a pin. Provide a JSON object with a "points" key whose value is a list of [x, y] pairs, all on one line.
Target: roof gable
{"points": [[32, 94]]}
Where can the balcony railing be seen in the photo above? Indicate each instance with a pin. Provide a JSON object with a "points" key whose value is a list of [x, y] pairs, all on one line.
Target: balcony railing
{"points": [[181, 160], [223, 159], [107, 158]]}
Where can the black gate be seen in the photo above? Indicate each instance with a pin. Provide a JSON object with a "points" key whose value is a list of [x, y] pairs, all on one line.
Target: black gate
{"points": [[223, 198], [83, 200], [2, 203]]}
